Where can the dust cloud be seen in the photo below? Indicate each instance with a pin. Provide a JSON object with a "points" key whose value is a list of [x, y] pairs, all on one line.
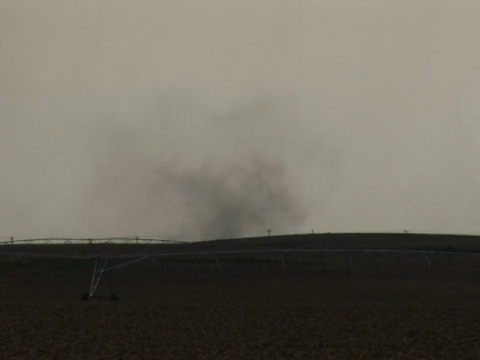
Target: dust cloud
{"points": [[213, 180]]}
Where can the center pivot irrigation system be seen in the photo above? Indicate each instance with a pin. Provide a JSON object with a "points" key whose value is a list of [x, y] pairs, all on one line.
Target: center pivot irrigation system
{"points": [[103, 265], [90, 241]]}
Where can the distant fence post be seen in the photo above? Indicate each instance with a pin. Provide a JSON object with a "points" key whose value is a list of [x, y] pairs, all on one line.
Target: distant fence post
{"points": [[450, 262], [350, 262], [372, 263], [136, 238], [427, 263], [282, 259], [324, 264], [217, 261], [12, 239]]}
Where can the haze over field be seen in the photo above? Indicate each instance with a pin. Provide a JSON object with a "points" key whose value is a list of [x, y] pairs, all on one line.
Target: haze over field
{"points": [[226, 118]]}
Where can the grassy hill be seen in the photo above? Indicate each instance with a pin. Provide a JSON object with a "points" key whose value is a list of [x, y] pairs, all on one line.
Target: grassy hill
{"points": [[398, 241], [410, 241]]}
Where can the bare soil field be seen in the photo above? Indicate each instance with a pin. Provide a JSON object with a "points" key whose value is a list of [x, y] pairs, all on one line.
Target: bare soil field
{"points": [[275, 329], [385, 308]]}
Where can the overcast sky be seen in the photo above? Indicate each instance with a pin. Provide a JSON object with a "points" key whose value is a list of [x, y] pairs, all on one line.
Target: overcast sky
{"points": [[218, 118]]}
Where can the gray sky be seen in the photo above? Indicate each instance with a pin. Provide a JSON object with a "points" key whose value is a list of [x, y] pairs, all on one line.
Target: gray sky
{"points": [[225, 118]]}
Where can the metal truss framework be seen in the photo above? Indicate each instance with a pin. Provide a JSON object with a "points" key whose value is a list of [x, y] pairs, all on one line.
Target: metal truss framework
{"points": [[102, 265], [100, 270]]}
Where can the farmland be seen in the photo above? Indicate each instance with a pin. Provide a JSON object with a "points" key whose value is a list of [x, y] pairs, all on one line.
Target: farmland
{"points": [[306, 307]]}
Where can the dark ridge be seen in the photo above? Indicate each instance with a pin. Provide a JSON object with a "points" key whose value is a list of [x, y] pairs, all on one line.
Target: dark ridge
{"points": [[404, 241], [353, 241]]}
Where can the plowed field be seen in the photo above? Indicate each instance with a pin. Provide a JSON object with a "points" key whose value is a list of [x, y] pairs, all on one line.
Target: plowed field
{"points": [[238, 315]]}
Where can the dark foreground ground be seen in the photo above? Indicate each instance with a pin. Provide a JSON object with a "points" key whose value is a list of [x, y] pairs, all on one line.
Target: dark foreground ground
{"points": [[195, 311], [267, 306], [273, 329]]}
